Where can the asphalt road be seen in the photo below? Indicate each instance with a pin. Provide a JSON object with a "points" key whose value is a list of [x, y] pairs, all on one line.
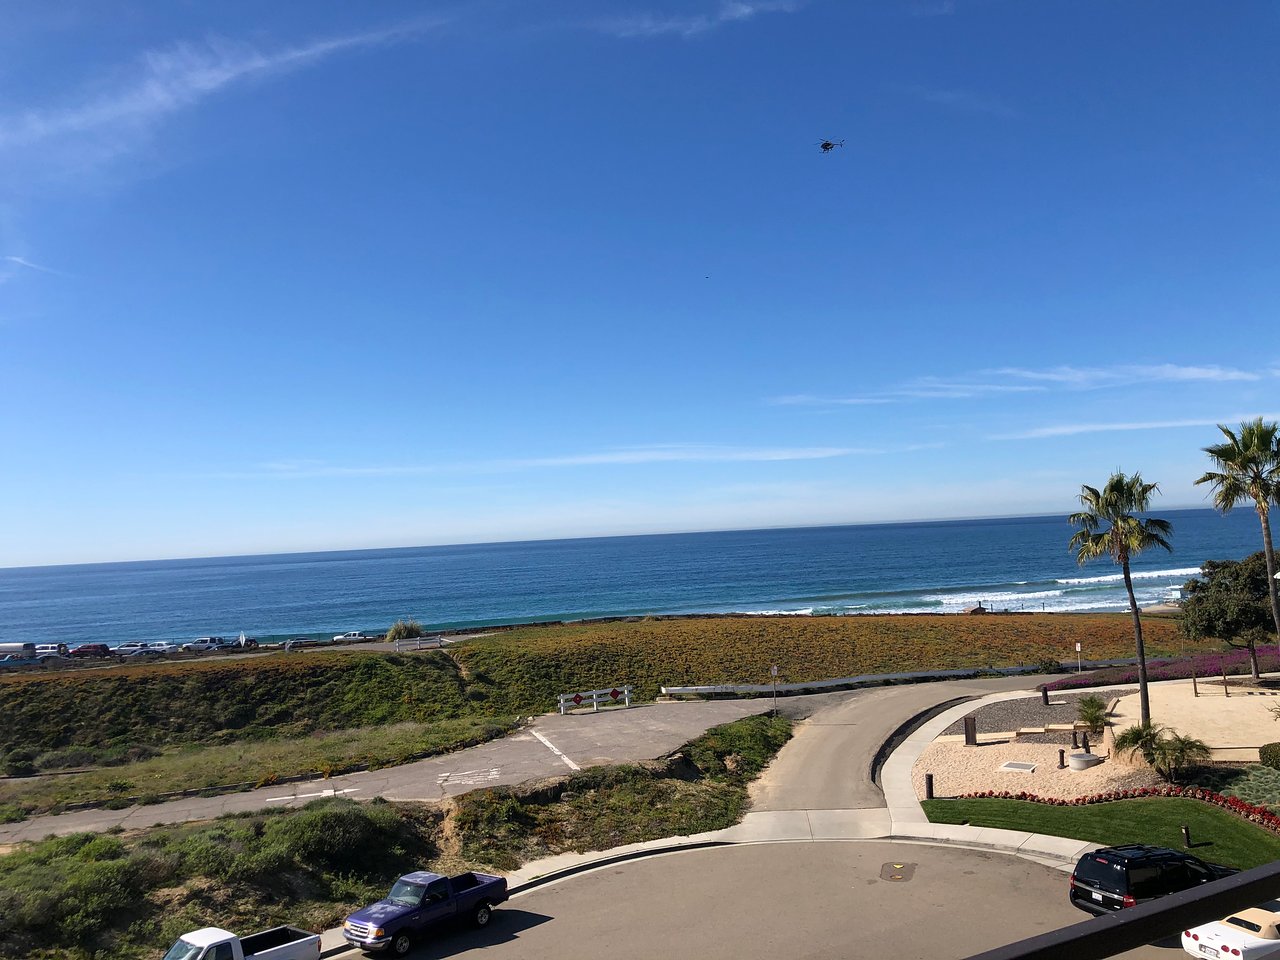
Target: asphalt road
{"points": [[782, 901], [551, 745], [827, 764]]}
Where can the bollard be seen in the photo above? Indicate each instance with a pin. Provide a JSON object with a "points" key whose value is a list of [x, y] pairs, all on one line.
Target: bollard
{"points": [[1044, 695], [1075, 740], [971, 731], [928, 787], [1084, 742], [1062, 759], [1186, 836]]}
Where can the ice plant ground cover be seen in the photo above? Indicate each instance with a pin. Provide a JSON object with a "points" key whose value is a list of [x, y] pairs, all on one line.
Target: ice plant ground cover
{"points": [[1206, 666]]}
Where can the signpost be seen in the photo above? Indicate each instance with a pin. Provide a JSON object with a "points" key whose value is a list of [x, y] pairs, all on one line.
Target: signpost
{"points": [[773, 672], [1077, 656]]}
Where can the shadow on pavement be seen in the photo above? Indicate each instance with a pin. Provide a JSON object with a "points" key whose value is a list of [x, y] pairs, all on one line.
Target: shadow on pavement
{"points": [[506, 925]]}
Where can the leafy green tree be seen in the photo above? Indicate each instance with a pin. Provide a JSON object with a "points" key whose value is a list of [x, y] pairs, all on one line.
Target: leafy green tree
{"points": [[1110, 526], [1248, 469], [1229, 602]]}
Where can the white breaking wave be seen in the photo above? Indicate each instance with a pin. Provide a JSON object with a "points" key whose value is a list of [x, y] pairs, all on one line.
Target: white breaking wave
{"points": [[990, 597], [1182, 573]]}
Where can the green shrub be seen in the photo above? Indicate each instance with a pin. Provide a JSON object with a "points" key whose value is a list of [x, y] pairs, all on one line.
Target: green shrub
{"points": [[1092, 711], [405, 630], [1269, 755], [20, 763]]}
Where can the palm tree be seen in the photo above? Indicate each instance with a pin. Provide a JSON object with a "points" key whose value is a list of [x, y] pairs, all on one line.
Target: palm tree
{"points": [[1168, 752], [1109, 526], [1248, 465], [1143, 739]]}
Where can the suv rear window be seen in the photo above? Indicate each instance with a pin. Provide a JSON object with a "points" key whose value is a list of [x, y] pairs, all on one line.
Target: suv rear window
{"points": [[1103, 874]]}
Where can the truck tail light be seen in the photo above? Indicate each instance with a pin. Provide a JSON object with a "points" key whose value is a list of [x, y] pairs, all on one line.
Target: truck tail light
{"points": [[1129, 901]]}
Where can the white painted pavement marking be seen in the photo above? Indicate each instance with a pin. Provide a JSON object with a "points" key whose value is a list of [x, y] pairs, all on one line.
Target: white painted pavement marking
{"points": [[469, 778], [556, 750], [304, 796]]}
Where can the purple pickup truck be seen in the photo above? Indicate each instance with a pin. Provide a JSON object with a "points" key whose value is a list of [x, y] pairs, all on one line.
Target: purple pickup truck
{"points": [[419, 902]]}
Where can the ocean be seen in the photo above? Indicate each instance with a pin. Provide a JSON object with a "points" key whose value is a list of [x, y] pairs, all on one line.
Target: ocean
{"points": [[933, 567]]}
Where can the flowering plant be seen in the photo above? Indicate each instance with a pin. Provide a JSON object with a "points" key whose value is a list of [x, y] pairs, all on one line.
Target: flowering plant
{"points": [[1262, 816]]}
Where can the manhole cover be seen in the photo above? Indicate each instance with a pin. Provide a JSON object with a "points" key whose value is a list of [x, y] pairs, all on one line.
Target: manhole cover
{"points": [[1018, 766], [897, 872]]}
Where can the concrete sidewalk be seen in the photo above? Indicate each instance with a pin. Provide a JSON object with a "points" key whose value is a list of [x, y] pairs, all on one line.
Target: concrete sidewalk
{"points": [[903, 819]]}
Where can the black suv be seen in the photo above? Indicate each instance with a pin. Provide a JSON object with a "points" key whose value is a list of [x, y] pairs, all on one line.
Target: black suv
{"points": [[1112, 878]]}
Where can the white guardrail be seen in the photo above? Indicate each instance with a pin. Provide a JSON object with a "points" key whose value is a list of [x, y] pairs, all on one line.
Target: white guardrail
{"points": [[571, 701]]}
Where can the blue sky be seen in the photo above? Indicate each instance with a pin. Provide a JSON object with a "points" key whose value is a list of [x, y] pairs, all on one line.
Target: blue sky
{"points": [[412, 273]]}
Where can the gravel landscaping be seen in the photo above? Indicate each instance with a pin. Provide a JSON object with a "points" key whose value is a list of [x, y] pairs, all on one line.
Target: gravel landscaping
{"points": [[1010, 715], [958, 769]]}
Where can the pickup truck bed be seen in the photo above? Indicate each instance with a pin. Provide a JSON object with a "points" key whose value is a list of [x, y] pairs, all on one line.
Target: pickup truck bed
{"points": [[264, 945]]}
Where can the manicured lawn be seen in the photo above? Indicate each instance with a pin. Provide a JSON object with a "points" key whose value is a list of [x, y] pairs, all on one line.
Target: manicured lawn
{"points": [[1219, 836]]}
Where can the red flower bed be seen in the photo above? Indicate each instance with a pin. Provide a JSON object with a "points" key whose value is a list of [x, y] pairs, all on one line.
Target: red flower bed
{"points": [[1248, 811]]}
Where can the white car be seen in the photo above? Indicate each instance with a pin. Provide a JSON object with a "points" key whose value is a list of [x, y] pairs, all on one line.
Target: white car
{"points": [[202, 644], [133, 646], [352, 637], [163, 647], [1248, 934]]}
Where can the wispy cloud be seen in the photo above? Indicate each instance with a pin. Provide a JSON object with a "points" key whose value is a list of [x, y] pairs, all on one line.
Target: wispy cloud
{"points": [[24, 262], [108, 119], [964, 101], [1094, 377], [1074, 429], [648, 25], [1015, 380], [923, 388], [624, 456]]}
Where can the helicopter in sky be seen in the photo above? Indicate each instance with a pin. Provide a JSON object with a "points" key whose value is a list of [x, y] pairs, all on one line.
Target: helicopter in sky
{"points": [[826, 146]]}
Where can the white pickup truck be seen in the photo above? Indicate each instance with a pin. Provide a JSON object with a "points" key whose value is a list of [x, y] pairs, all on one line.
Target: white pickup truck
{"points": [[354, 636], [278, 943]]}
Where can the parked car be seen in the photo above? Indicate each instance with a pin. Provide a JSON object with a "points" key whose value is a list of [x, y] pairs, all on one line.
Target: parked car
{"points": [[142, 652], [202, 644], [133, 646], [11, 661], [355, 636], [54, 649], [163, 647], [278, 943], [1112, 878], [1249, 934], [90, 650], [419, 902]]}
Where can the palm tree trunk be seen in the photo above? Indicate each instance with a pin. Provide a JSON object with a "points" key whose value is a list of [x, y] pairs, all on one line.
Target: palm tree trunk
{"points": [[1144, 700], [1253, 658], [1269, 551]]}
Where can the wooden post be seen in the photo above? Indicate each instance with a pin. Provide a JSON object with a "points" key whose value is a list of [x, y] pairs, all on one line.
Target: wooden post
{"points": [[1226, 691], [1195, 691]]}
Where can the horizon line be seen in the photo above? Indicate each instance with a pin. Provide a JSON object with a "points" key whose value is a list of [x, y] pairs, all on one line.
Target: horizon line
{"points": [[600, 536]]}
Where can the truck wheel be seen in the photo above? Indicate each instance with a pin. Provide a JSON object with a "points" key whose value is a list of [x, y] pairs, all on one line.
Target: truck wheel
{"points": [[400, 944], [483, 914]]}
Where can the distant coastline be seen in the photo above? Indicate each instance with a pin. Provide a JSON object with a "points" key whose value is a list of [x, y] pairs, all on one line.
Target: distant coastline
{"points": [[1021, 565]]}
